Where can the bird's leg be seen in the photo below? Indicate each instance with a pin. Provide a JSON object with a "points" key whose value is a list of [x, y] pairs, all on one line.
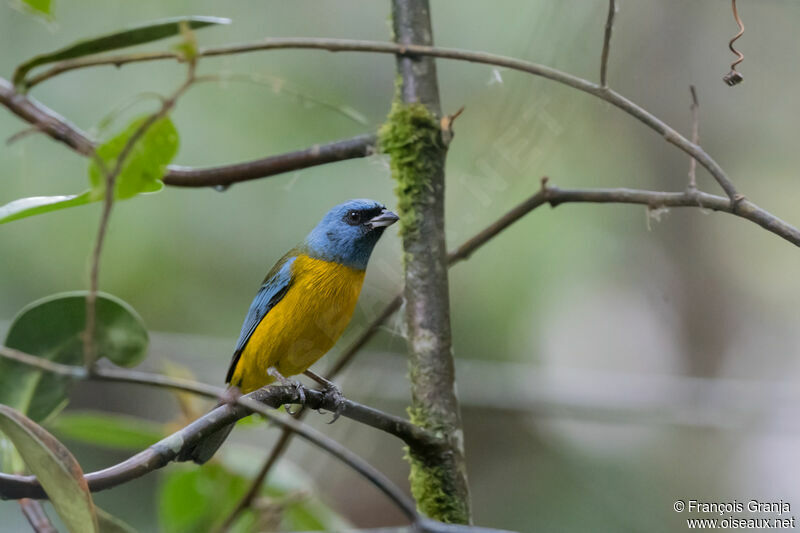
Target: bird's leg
{"points": [[330, 389], [272, 371]]}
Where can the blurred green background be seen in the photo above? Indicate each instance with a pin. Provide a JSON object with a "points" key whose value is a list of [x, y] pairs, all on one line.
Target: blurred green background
{"points": [[610, 361]]}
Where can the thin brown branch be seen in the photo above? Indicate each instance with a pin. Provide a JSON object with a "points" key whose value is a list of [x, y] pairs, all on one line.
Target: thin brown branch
{"points": [[49, 122], [44, 119], [255, 485], [89, 348], [76, 372], [223, 176], [37, 518], [411, 50], [695, 108], [612, 11]]}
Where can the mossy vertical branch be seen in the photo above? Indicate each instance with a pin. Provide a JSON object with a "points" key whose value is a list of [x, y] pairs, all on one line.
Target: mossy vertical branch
{"points": [[412, 137]]}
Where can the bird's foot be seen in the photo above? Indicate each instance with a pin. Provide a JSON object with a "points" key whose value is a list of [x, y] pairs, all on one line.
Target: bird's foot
{"points": [[333, 394], [286, 382]]}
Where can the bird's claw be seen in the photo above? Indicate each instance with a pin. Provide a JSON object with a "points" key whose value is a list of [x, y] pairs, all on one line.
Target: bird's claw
{"points": [[298, 387], [334, 394]]}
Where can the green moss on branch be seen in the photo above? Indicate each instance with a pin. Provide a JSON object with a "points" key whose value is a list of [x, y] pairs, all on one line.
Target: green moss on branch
{"points": [[433, 480], [412, 138]]}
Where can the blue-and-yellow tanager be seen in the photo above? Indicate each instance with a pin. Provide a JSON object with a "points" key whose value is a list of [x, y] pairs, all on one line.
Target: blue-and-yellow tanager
{"points": [[304, 303]]}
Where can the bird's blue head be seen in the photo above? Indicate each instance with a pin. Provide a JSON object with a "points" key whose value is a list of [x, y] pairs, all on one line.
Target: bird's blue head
{"points": [[348, 233]]}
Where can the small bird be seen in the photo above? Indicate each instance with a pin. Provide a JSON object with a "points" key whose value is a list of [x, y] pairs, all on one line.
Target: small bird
{"points": [[304, 304]]}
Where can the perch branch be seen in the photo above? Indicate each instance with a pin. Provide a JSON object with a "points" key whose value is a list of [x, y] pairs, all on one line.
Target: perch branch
{"points": [[171, 448]]}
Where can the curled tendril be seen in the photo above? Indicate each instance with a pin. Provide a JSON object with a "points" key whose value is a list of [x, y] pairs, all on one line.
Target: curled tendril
{"points": [[734, 77]]}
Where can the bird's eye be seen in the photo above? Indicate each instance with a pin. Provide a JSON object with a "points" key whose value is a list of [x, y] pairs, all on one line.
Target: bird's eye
{"points": [[353, 217]]}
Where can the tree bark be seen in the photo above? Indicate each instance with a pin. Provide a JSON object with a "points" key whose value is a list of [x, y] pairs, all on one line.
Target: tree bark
{"points": [[414, 140]]}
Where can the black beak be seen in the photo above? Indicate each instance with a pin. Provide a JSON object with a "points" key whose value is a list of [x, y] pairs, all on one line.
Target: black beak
{"points": [[385, 219]]}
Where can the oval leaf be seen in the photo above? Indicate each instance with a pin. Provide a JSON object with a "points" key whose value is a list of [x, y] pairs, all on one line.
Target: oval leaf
{"points": [[36, 205], [56, 469], [107, 429], [148, 32], [52, 328], [144, 165]]}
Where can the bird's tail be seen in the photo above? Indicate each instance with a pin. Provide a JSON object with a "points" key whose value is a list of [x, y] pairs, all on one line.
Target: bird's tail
{"points": [[206, 448]]}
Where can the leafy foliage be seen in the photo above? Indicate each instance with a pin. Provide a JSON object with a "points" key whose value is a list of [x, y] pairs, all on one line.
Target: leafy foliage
{"points": [[36, 205], [145, 33], [55, 467], [144, 165], [40, 7], [197, 499], [109, 430], [141, 171], [51, 328]]}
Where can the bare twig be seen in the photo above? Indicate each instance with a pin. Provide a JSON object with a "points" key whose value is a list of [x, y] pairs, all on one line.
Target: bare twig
{"points": [[695, 108], [612, 11], [411, 50], [44, 119], [255, 485], [89, 347], [76, 372], [37, 518], [223, 176]]}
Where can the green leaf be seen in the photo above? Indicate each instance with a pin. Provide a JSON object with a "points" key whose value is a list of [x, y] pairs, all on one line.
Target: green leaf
{"points": [[141, 172], [109, 523], [40, 7], [149, 32], [55, 467], [285, 483], [144, 165], [36, 205], [196, 500], [106, 429], [52, 328]]}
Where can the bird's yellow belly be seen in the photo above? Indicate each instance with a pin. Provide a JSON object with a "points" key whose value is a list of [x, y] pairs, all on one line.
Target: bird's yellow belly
{"points": [[303, 326]]}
